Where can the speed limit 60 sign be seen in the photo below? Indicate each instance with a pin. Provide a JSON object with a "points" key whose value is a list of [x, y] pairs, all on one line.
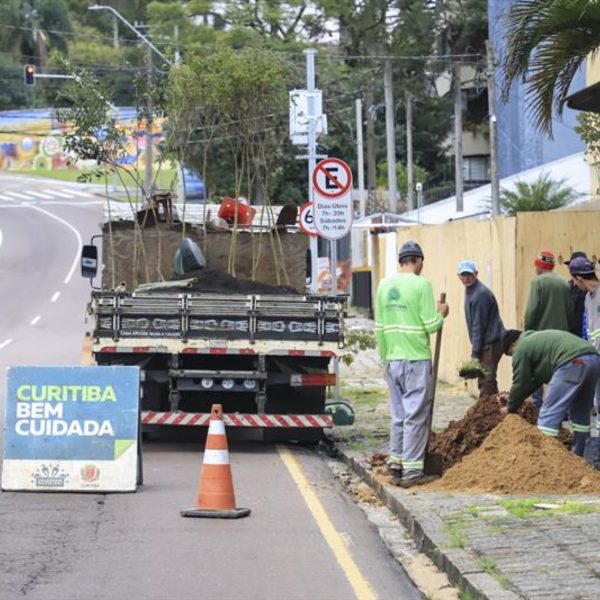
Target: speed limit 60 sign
{"points": [[307, 219]]}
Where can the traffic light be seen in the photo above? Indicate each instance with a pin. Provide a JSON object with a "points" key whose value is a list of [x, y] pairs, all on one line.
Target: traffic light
{"points": [[29, 75]]}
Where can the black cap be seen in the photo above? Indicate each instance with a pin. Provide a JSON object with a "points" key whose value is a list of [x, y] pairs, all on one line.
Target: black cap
{"points": [[575, 255], [508, 338], [410, 249]]}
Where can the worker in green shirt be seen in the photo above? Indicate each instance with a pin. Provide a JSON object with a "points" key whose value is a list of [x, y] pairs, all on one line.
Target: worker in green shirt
{"points": [[405, 316], [569, 365]]}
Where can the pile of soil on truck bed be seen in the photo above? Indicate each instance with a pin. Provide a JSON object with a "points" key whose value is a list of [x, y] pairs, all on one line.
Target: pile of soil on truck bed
{"points": [[462, 437], [517, 458], [218, 282]]}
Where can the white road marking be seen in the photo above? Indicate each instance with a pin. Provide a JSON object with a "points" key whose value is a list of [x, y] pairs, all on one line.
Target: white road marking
{"points": [[0, 237], [77, 192], [5, 343], [35, 319], [65, 203], [55, 297], [2, 197], [77, 234], [19, 195], [39, 195], [57, 194]]}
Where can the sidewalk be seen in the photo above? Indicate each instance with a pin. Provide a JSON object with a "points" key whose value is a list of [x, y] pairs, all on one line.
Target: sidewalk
{"points": [[495, 547]]}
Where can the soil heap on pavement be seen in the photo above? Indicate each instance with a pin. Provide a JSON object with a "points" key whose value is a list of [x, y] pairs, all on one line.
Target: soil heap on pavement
{"points": [[516, 458], [462, 437]]}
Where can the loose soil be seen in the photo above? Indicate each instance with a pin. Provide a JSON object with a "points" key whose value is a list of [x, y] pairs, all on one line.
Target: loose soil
{"points": [[462, 437], [516, 458], [218, 282]]}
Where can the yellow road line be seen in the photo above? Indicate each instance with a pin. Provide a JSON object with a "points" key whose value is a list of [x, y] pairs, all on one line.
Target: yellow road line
{"points": [[362, 588]]}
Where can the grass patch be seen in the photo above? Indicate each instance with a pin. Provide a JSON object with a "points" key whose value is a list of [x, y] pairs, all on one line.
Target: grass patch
{"points": [[365, 398], [456, 529], [524, 507], [163, 180], [491, 568], [464, 594]]}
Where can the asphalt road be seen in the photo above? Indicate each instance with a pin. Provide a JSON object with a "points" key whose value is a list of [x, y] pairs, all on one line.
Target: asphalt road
{"points": [[305, 537]]}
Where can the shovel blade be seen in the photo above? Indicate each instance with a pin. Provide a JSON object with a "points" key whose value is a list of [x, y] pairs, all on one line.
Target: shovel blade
{"points": [[434, 464]]}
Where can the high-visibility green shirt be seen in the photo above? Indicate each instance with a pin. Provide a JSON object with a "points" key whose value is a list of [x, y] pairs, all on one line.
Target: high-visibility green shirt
{"points": [[405, 315]]}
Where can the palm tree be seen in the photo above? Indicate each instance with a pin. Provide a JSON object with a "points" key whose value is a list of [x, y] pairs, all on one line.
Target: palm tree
{"points": [[548, 40], [542, 194]]}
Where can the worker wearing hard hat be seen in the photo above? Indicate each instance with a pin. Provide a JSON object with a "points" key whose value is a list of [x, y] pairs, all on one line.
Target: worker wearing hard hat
{"points": [[405, 316], [569, 365]]}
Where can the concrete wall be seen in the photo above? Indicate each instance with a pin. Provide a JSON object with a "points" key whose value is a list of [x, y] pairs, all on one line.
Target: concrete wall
{"points": [[159, 246], [504, 249]]}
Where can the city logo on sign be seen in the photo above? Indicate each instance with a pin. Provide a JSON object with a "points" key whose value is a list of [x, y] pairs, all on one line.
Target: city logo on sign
{"points": [[50, 476], [90, 473]]}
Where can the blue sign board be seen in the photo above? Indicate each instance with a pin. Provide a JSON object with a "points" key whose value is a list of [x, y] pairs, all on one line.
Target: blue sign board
{"points": [[71, 429]]}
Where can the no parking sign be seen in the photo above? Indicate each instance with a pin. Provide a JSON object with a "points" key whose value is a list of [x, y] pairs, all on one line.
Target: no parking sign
{"points": [[332, 184]]}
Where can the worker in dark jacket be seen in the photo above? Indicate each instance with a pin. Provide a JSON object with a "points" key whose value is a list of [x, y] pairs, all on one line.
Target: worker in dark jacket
{"points": [[577, 301], [484, 325], [571, 367], [548, 304]]}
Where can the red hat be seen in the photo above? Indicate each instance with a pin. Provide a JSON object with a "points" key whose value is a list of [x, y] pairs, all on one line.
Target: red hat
{"points": [[544, 260]]}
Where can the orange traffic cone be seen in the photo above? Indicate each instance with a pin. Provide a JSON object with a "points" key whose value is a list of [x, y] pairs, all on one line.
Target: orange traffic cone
{"points": [[215, 494]]}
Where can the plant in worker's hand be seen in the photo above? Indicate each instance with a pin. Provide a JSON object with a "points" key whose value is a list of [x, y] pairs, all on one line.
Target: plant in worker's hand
{"points": [[472, 369]]}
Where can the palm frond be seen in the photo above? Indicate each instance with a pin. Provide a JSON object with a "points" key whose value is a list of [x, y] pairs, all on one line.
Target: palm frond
{"points": [[548, 41]]}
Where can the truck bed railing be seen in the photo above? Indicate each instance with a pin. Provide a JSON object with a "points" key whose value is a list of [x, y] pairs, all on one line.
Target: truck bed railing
{"points": [[192, 315]]}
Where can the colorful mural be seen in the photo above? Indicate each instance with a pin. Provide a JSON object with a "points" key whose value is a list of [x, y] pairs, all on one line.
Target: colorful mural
{"points": [[34, 139]]}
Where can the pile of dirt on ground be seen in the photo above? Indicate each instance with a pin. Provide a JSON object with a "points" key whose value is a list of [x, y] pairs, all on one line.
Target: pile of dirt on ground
{"points": [[218, 282], [462, 437], [517, 458]]}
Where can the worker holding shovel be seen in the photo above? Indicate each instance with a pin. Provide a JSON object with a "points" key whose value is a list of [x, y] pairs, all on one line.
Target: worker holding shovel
{"points": [[405, 316]]}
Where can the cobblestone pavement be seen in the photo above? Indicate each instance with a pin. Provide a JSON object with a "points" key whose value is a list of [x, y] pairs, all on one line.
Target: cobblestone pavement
{"points": [[491, 546]]}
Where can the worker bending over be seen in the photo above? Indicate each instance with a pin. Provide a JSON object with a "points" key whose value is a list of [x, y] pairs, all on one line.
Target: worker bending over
{"points": [[571, 367]]}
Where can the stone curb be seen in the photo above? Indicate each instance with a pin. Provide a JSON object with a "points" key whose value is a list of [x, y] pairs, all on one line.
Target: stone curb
{"points": [[428, 533]]}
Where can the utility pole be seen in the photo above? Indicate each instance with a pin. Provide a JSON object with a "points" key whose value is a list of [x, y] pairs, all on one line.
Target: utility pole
{"points": [[371, 159], [312, 157], [410, 177], [458, 156], [176, 37], [360, 159], [491, 90], [149, 122], [115, 32], [390, 135]]}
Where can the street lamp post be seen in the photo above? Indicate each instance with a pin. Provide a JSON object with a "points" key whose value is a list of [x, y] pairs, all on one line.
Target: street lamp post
{"points": [[149, 154]]}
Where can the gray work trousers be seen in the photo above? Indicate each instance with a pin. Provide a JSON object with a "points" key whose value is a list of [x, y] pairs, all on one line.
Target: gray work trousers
{"points": [[410, 384], [571, 390]]}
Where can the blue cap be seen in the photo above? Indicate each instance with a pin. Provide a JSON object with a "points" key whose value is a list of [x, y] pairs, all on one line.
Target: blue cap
{"points": [[467, 266]]}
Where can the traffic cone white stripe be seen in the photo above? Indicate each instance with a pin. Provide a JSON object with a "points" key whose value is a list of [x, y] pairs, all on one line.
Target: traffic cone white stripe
{"points": [[216, 457], [216, 428]]}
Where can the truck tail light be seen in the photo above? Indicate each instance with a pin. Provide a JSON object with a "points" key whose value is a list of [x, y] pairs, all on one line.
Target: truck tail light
{"points": [[312, 380], [207, 383], [108, 349]]}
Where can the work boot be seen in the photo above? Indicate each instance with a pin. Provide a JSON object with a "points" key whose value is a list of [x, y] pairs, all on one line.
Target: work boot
{"points": [[412, 478], [395, 471]]}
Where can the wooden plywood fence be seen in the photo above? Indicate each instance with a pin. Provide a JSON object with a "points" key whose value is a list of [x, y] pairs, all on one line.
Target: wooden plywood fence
{"points": [[504, 249]]}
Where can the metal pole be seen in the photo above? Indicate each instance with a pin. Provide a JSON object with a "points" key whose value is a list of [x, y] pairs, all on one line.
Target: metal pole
{"points": [[149, 121], [410, 178], [312, 157], [360, 159], [371, 166], [176, 37], [419, 200], [458, 157], [115, 32], [491, 82], [390, 136]]}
